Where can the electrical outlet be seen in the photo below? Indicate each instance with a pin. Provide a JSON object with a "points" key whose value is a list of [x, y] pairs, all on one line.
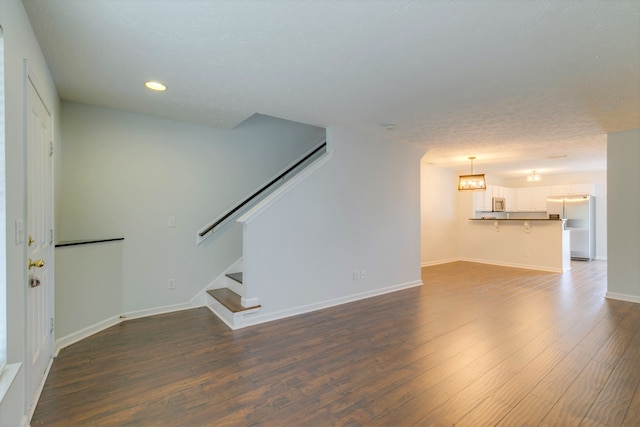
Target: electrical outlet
{"points": [[171, 222], [356, 275], [363, 274], [172, 284]]}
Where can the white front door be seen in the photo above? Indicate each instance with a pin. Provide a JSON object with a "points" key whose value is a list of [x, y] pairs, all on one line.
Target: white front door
{"points": [[39, 286]]}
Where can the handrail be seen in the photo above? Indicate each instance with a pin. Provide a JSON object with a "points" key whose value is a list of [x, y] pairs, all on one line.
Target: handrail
{"points": [[261, 190], [86, 242]]}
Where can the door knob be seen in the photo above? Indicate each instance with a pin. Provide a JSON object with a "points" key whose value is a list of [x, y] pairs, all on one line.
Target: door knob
{"points": [[39, 263]]}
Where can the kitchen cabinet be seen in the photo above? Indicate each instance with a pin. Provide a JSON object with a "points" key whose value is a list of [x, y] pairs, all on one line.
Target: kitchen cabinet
{"points": [[572, 189], [478, 201], [482, 200], [560, 190], [532, 199], [583, 189], [526, 199], [540, 195], [510, 199]]}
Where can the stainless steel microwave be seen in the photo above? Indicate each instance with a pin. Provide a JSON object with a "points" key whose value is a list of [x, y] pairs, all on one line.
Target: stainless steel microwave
{"points": [[498, 204]]}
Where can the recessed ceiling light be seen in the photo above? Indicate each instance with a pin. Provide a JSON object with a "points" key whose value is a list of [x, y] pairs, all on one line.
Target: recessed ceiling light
{"points": [[390, 126], [157, 86]]}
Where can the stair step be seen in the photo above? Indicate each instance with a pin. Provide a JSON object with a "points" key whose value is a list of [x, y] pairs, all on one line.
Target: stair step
{"points": [[235, 276], [229, 299]]}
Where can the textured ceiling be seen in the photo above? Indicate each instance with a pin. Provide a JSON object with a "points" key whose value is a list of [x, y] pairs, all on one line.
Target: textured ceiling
{"points": [[511, 82]]}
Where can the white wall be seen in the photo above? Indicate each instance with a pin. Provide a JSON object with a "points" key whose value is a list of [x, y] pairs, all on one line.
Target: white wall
{"points": [[20, 43], [359, 211], [88, 289], [439, 215], [623, 156], [124, 174]]}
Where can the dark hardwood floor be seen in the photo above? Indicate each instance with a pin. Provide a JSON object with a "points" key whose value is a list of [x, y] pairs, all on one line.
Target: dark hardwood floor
{"points": [[477, 345]]}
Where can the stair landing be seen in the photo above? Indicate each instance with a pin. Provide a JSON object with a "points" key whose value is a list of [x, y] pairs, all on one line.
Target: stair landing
{"points": [[230, 299]]}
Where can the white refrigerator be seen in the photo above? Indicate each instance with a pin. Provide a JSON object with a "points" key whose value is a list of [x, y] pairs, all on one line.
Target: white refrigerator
{"points": [[580, 215]]}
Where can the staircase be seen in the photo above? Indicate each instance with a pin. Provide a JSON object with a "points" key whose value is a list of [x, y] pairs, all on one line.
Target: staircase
{"points": [[231, 300], [226, 298]]}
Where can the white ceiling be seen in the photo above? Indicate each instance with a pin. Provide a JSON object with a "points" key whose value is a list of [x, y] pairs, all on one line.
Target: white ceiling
{"points": [[511, 82]]}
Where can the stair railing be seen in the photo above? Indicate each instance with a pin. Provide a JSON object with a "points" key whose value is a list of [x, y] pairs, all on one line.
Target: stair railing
{"points": [[256, 195]]}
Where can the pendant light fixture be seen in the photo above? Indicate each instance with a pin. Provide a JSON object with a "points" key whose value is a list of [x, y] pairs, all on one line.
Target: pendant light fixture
{"points": [[534, 177], [472, 182]]}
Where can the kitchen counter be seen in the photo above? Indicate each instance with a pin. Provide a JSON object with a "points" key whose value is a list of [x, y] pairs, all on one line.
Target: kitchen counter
{"points": [[513, 219], [534, 243]]}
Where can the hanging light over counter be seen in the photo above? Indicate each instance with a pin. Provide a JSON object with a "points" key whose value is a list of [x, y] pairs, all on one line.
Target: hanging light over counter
{"points": [[473, 182]]}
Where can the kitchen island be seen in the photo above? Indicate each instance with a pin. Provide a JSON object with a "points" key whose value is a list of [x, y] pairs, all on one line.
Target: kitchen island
{"points": [[535, 243]]}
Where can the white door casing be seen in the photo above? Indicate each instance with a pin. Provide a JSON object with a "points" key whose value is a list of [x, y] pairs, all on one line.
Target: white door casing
{"points": [[39, 226]]}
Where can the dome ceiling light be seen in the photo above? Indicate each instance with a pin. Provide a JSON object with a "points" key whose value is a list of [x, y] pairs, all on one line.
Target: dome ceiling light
{"points": [[157, 86]]}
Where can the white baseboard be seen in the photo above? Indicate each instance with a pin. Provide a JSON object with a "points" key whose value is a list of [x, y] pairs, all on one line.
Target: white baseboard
{"points": [[85, 332], [112, 321], [161, 310], [439, 262], [256, 318], [623, 297]]}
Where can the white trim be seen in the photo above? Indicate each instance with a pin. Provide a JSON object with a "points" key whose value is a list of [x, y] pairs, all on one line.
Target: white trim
{"points": [[220, 281], [30, 80], [249, 302], [114, 320], [251, 318], [220, 311], [159, 310], [217, 283], [623, 297], [85, 332], [232, 320], [439, 262], [261, 206], [7, 376], [40, 388]]}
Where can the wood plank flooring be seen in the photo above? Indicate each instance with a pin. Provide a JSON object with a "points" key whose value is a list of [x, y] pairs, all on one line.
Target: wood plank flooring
{"points": [[477, 345]]}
